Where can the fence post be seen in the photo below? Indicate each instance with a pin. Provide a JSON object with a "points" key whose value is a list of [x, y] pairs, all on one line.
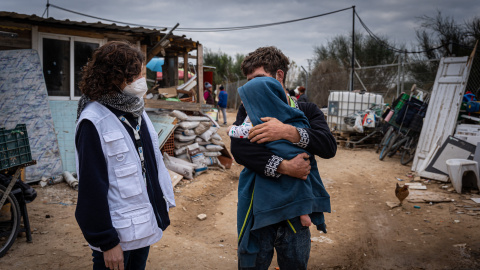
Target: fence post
{"points": [[236, 92], [398, 74]]}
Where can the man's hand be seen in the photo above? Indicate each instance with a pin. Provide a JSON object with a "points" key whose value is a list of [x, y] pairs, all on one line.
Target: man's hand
{"points": [[273, 130], [114, 258], [298, 167]]}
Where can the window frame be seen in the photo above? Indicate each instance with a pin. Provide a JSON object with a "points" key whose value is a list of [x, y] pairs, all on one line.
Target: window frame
{"points": [[71, 39]]}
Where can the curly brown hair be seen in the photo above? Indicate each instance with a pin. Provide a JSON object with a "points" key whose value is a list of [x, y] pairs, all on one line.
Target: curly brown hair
{"points": [[270, 58], [112, 64]]}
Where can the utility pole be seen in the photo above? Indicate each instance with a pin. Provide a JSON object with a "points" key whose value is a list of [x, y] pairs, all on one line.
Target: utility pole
{"points": [[306, 79], [353, 49], [236, 92]]}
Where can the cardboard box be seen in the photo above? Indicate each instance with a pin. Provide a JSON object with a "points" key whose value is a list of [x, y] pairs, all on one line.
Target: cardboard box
{"points": [[169, 92]]}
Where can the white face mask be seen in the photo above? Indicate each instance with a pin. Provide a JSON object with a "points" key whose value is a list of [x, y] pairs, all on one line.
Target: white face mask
{"points": [[137, 88]]}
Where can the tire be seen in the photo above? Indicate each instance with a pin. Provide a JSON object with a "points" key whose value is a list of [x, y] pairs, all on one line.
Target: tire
{"points": [[9, 222], [397, 146], [386, 146], [409, 153], [387, 134], [391, 142]]}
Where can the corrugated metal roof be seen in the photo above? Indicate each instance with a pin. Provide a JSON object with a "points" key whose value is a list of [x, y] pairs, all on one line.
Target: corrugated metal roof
{"points": [[34, 19]]}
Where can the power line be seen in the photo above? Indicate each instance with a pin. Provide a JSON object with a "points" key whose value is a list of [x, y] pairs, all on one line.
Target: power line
{"points": [[103, 19], [218, 29], [258, 25], [386, 45]]}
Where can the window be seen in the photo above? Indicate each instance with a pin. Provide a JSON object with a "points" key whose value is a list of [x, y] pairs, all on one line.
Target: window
{"points": [[63, 58]]}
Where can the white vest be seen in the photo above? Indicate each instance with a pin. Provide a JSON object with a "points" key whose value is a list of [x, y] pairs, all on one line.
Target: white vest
{"points": [[130, 209]]}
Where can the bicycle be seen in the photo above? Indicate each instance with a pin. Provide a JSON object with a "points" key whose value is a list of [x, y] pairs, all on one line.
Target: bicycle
{"points": [[9, 222], [409, 151]]}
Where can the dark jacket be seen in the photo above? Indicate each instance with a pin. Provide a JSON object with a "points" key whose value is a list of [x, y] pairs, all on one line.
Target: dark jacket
{"points": [[303, 98]]}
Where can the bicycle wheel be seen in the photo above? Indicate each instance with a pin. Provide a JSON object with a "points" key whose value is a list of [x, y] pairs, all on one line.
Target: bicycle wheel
{"points": [[387, 134], [9, 222], [386, 146], [409, 152], [397, 146]]}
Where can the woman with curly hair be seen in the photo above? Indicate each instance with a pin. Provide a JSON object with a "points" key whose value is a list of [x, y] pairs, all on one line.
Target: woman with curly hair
{"points": [[125, 190]]}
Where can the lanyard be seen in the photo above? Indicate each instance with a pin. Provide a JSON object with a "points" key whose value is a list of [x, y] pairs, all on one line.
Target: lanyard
{"points": [[138, 142]]}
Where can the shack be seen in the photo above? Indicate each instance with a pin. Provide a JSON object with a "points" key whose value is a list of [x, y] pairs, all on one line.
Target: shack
{"points": [[33, 48]]}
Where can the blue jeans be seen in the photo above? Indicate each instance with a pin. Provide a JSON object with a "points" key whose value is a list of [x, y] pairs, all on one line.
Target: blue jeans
{"points": [[293, 249], [224, 112], [132, 259]]}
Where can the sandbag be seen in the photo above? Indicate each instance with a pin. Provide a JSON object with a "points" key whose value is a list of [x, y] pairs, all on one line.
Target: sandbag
{"points": [[197, 118], [183, 138], [183, 157], [218, 142], [179, 144], [215, 136], [178, 114], [179, 151], [211, 161], [188, 125], [212, 154], [207, 135], [200, 141], [197, 158], [179, 166], [213, 148], [186, 132], [204, 126]]}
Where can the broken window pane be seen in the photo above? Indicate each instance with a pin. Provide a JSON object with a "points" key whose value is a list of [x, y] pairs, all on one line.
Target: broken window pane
{"points": [[83, 51], [56, 66]]}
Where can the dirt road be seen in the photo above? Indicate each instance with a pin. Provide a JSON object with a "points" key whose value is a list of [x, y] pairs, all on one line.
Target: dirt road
{"points": [[363, 232]]}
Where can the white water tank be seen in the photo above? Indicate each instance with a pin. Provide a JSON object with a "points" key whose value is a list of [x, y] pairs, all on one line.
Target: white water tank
{"points": [[346, 103]]}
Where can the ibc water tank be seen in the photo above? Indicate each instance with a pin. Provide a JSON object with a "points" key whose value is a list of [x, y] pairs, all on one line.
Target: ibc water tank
{"points": [[346, 103]]}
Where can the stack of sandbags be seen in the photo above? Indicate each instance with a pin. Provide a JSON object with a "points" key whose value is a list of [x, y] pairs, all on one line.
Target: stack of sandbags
{"points": [[197, 141]]}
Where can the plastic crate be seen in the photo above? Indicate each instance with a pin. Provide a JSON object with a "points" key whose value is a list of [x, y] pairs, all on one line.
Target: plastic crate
{"points": [[14, 147], [169, 146]]}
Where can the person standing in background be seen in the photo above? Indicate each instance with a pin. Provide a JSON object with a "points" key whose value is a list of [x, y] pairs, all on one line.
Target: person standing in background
{"points": [[222, 103], [303, 96], [208, 95]]}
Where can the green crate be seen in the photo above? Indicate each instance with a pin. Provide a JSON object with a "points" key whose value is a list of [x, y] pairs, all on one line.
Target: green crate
{"points": [[14, 147]]}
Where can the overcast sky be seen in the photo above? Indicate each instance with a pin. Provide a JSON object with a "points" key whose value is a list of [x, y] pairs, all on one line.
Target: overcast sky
{"points": [[395, 19]]}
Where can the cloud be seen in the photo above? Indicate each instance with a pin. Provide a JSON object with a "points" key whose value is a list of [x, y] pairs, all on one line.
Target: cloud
{"points": [[393, 19]]}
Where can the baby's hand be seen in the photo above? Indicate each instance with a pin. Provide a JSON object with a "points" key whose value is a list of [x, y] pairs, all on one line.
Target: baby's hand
{"points": [[305, 220], [228, 130]]}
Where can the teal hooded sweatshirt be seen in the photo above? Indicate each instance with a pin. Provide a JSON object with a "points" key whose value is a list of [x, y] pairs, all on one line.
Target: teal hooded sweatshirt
{"points": [[263, 201]]}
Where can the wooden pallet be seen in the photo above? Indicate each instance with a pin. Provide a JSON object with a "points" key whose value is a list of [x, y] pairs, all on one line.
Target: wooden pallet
{"points": [[347, 139]]}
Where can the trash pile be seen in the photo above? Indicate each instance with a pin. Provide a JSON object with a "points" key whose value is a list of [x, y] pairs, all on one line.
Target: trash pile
{"points": [[70, 178], [197, 146]]}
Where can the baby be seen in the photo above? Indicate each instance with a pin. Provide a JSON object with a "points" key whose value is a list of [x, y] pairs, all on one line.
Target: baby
{"points": [[242, 133]]}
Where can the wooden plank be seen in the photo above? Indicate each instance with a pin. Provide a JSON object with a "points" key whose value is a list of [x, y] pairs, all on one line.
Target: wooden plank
{"points": [[175, 177], [185, 67], [200, 74], [70, 32], [172, 105]]}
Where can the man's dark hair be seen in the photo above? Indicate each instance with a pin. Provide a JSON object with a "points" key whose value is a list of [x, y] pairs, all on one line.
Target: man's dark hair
{"points": [[221, 87], [270, 58], [111, 65]]}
